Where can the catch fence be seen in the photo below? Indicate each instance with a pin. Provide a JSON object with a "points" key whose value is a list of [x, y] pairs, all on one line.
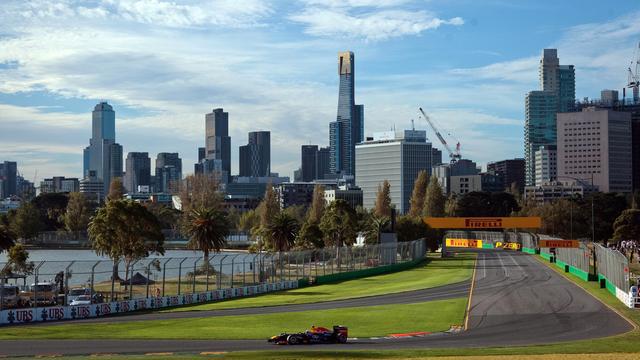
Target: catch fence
{"points": [[106, 281]]}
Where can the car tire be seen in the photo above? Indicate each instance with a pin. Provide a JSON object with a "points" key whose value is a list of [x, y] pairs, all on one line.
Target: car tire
{"points": [[341, 339], [293, 340]]}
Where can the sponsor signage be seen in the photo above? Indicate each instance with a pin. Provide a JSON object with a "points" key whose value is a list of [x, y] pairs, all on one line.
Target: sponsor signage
{"points": [[464, 243], [530, 222], [559, 243], [53, 313]]}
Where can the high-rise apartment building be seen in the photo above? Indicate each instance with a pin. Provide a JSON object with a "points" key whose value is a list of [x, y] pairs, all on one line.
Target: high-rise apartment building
{"points": [[348, 129], [594, 145], [557, 83], [217, 140], [138, 171], [168, 171], [255, 157], [511, 171], [546, 162], [8, 179], [395, 157], [103, 155]]}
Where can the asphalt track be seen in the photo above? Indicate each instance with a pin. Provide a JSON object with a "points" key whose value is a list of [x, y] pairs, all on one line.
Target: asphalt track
{"points": [[516, 301]]}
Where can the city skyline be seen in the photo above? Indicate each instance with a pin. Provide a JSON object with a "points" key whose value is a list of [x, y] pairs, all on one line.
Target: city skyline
{"points": [[472, 89]]}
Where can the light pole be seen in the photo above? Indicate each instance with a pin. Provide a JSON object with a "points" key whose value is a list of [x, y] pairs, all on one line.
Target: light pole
{"points": [[593, 223]]}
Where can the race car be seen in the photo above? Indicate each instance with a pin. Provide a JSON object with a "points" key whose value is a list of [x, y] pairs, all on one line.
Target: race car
{"points": [[315, 335]]}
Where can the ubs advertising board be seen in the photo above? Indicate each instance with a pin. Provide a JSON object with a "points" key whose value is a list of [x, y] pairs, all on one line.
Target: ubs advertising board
{"points": [[56, 313]]}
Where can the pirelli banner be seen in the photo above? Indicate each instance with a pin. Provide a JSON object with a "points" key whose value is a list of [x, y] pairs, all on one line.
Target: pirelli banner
{"points": [[532, 222], [464, 243], [558, 243]]}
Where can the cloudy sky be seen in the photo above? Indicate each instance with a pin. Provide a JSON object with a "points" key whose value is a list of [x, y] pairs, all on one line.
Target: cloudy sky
{"points": [[272, 65]]}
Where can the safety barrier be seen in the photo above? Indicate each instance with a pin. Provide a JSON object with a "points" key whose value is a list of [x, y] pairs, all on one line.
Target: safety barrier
{"points": [[57, 313], [588, 262]]}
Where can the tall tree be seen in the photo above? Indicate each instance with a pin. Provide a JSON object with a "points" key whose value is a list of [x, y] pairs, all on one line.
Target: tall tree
{"points": [[78, 214], [18, 261], [309, 236], [26, 223], [166, 215], [318, 205], [208, 229], [6, 238], [418, 194], [339, 224], [125, 229], [52, 207], [450, 205], [382, 206], [627, 225], [269, 207], [198, 192], [376, 225], [248, 220], [116, 190], [607, 207], [434, 199], [281, 232]]}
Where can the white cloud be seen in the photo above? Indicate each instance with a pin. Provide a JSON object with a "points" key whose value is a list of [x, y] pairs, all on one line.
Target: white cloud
{"points": [[367, 19]]}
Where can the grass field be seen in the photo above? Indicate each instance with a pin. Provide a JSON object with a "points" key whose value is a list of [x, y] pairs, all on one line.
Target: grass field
{"points": [[433, 272], [362, 321]]}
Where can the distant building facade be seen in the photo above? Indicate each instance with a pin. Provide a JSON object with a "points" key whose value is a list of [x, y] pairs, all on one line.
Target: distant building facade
{"points": [[511, 171], [8, 179], [351, 194], [168, 171], [59, 184], [546, 164], [138, 171], [596, 144], [395, 157], [255, 157]]}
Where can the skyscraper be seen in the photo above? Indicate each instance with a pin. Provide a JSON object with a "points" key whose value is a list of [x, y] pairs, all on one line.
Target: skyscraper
{"points": [[348, 129], [557, 95], [308, 163], [103, 155], [138, 171], [511, 171], [168, 170], [8, 179], [255, 157], [217, 140]]}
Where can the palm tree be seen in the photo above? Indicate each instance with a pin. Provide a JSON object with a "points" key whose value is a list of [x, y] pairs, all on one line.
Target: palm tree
{"points": [[282, 232], [208, 229], [376, 225], [6, 238]]}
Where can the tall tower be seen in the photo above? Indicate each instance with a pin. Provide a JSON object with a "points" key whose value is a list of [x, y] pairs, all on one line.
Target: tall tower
{"points": [[557, 94], [255, 157], [103, 156], [217, 141], [348, 129], [138, 171]]}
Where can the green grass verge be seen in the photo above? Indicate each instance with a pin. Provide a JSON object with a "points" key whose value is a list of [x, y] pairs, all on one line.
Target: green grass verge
{"points": [[431, 273], [366, 321]]}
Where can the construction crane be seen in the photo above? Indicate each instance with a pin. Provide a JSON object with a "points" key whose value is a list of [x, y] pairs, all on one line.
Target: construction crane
{"points": [[634, 76], [454, 155]]}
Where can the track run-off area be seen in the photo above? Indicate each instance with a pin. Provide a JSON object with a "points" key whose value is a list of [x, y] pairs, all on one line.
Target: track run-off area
{"points": [[516, 300]]}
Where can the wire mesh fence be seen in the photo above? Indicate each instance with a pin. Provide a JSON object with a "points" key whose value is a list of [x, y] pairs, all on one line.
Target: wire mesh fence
{"points": [[62, 282], [613, 265]]}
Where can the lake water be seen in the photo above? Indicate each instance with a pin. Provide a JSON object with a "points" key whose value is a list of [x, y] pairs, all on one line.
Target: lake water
{"points": [[81, 263]]}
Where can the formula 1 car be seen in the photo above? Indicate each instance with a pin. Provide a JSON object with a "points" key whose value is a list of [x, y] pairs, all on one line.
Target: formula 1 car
{"points": [[315, 335]]}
